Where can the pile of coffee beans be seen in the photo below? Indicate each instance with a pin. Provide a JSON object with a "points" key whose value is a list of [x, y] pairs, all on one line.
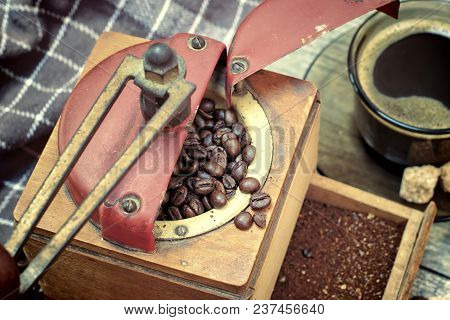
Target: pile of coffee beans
{"points": [[211, 166], [244, 220], [258, 201]]}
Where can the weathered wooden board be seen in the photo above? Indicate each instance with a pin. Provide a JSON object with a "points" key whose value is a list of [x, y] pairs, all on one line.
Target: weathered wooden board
{"points": [[437, 253], [430, 285]]}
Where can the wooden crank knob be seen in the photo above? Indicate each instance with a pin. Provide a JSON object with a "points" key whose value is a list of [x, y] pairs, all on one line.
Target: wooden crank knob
{"points": [[9, 276]]}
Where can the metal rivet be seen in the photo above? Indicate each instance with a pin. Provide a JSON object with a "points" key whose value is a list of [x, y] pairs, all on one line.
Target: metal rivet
{"points": [[130, 204], [197, 43], [158, 54], [181, 231], [239, 65]]}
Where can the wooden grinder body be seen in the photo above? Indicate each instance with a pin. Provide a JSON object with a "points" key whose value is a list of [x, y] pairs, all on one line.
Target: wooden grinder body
{"points": [[224, 263]]}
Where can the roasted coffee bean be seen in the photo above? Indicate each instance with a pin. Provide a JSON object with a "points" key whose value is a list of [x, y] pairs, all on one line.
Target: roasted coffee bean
{"points": [[175, 213], [232, 147], [191, 128], [191, 195], [205, 115], [260, 219], [239, 171], [259, 200], [184, 157], [216, 142], [230, 193], [207, 105], [188, 212], [243, 221], [230, 117], [210, 150], [179, 196], [214, 169], [204, 133], [219, 186], [209, 124], [219, 133], [245, 139], [166, 198], [249, 185], [203, 174], [228, 182], [206, 204], [198, 153], [307, 253], [227, 136], [219, 156], [190, 167], [176, 171], [217, 199], [248, 154], [219, 125], [190, 182], [191, 143], [193, 135], [219, 114], [237, 129], [199, 122], [230, 166], [176, 182], [196, 205], [207, 140], [203, 186]]}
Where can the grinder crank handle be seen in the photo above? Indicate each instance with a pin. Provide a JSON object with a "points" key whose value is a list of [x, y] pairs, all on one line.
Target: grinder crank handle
{"points": [[177, 92], [278, 27]]}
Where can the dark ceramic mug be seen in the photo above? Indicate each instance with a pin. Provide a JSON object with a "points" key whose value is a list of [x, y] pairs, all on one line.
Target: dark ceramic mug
{"points": [[421, 23]]}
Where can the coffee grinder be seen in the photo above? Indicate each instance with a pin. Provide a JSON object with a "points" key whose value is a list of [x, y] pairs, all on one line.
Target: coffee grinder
{"points": [[117, 142]]}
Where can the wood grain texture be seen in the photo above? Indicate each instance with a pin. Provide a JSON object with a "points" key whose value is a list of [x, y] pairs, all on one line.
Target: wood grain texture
{"points": [[436, 255], [430, 285], [225, 258], [76, 275], [290, 203], [418, 250]]}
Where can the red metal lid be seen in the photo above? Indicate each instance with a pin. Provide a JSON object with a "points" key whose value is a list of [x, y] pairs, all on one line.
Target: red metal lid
{"points": [[149, 177], [278, 27]]}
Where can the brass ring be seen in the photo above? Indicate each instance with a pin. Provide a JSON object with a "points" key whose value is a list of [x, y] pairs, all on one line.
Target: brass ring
{"points": [[253, 117]]}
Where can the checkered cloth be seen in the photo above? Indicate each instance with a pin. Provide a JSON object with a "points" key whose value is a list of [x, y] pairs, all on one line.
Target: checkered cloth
{"points": [[43, 46]]}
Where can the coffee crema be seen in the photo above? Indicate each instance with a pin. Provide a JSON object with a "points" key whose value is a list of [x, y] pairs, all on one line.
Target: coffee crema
{"points": [[405, 71]]}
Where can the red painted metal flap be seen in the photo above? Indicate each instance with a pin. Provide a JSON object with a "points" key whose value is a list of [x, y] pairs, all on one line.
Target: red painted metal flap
{"points": [[278, 27], [149, 177]]}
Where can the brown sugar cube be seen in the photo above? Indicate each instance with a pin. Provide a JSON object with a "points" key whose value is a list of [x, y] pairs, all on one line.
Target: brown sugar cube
{"points": [[418, 183], [445, 177]]}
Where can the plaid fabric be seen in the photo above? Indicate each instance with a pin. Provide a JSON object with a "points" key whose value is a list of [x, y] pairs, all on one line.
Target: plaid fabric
{"points": [[43, 46]]}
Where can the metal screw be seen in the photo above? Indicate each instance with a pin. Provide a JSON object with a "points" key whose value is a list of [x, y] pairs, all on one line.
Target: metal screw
{"points": [[181, 231], [197, 43], [130, 204], [239, 65]]}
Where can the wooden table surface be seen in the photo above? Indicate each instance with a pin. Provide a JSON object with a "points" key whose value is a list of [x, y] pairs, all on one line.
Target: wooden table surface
{"points": [[343, 156]]}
